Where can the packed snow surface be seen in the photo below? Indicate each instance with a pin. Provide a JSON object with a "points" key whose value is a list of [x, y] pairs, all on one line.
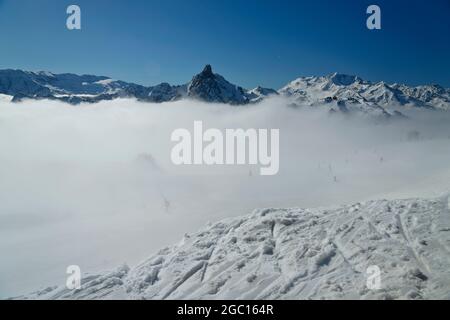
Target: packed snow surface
{"points": [[294, 254]]}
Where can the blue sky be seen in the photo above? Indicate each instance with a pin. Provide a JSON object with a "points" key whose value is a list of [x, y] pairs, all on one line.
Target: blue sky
{"points": [[250, 42]]}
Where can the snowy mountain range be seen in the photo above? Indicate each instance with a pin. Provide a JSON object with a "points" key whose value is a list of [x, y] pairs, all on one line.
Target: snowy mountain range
{"points": [[350, 92], [338, 92], [294, 254]]}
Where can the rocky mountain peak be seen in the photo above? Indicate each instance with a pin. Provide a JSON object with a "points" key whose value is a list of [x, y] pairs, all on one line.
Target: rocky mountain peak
{"points": [[211, 87], [207, 71]]}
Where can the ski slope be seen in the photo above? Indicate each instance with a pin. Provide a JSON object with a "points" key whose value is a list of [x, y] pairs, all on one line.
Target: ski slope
{"points": [[294, 253]]}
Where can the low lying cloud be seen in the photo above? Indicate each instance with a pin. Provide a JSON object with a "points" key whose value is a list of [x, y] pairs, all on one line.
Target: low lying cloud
{"points": [[94, 185]]}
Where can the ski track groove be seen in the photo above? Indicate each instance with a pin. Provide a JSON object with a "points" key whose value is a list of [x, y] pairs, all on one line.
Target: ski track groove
{"points": [[407, 237]]}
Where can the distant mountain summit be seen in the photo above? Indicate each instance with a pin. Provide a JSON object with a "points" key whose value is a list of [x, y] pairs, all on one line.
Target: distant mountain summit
{"points": [[212, 87], [337, 92]]}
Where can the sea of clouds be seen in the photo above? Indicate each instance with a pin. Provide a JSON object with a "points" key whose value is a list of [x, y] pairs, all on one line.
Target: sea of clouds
{"points": [[94, 185]]}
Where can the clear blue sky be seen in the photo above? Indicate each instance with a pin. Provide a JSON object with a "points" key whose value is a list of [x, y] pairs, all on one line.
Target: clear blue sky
{"points": [[250, 42]]}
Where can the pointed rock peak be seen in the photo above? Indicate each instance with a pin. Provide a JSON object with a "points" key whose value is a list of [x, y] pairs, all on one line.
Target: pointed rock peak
{"points": [[211, 87], [207, 70]]}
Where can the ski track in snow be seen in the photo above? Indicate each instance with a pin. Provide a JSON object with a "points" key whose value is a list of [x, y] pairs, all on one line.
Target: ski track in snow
{"points": [[294, 254]]}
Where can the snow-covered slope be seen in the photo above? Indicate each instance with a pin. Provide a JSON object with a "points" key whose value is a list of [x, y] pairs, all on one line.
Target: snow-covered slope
{"points": [[354, 91], [294, 254], [259, 93], [74, 89], [42, 83], [5, 98]]}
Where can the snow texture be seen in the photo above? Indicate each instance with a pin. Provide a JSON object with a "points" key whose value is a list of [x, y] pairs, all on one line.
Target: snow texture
{"points": [[294, 254]]}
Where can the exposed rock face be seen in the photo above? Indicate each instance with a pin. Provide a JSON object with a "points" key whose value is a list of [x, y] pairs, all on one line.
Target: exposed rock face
{"points": [[212, 87]]}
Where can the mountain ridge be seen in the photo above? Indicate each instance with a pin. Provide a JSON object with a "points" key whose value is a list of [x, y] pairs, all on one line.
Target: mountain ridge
{"points": [[337, 91]]}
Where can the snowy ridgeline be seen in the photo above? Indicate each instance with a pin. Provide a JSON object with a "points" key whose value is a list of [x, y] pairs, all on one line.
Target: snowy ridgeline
{"points": [[294, 254], [335, 92]]}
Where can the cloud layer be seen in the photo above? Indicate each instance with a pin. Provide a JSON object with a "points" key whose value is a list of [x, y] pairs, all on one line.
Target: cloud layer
{"points": [[94, 185]]}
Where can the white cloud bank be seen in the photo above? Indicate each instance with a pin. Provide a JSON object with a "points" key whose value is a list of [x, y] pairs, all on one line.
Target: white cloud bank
{"points": [[93, 185]]}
